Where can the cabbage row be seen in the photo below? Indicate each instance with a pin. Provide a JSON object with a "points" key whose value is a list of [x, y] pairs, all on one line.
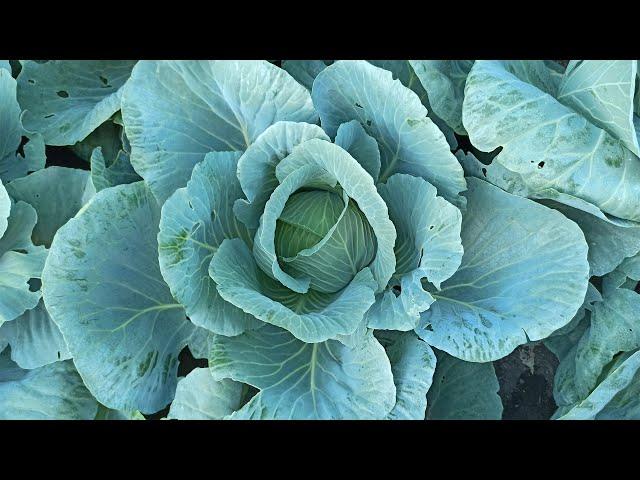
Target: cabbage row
{"points": [[332, 239]]}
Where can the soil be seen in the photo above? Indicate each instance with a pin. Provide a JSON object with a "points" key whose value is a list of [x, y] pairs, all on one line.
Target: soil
{"points": [[526, 382]]}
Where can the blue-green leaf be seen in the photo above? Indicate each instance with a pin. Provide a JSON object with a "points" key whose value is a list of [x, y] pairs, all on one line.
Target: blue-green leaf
{"points": [[11, 132], [305, 71], [200, 397], [20, 261], [12, 164], [615, 327], [119, 172], [602, 91], [65, 100], [306, 381], [52, 392], [354, 139], [631, 267], [542, 74], [548, 145], [195, 220], [591, 297], [105, 413], [565, 347], [636, 99], [56, 193], [523, 275], [198, 342], [107, 136], [5, 209], [412, 363], [103, 288], [463, 391], [615, 398], [444, 82], [391, 113], [403, 71], [177, 111], [34, 339], [428, 246], [610, 239]]}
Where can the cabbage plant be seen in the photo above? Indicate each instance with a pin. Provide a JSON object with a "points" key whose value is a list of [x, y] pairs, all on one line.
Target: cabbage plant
{"points": [[334, 239]]}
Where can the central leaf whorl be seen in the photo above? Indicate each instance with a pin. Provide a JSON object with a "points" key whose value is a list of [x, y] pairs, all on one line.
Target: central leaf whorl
{"points": [[320, 237]]}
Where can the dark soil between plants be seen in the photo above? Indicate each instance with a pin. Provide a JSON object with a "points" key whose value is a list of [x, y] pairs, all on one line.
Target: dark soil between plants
{"points": [[526, 382]]}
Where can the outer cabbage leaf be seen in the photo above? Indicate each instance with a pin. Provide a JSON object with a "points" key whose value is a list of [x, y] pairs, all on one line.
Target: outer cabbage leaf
{"points": [[428, 246], [11, 133], [523, 275], [610, 239], [391, 113], [110, 137], [631, 267], [353, 138], [65, 100], [35, 340], [194, 222], [306, 381], [591, 297], [107, 136], [20, 261], [636, 99], [546, 143], [12, 164], [602, 91], [305, 71], [613, 327], [463, 391], [403, 71], [177, 111], [617, 397], [108, 151], [105, 413], [52, 392], [103, 288], [56, 193], [540, 73], [5, 209], [413, 364], [564, 347], [444, 82], [199, 342], [118, 172], [200, 397]]}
